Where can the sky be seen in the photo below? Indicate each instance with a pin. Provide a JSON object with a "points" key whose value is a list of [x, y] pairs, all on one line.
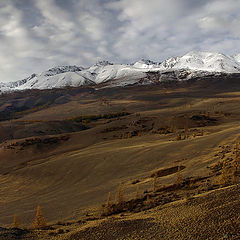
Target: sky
{"points": [[36, 35]]}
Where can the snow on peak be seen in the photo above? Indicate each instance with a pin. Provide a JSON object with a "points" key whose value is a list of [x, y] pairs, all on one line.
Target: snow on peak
{"points": [[110, 74], [61, 69], [102, 63], [237, 58], [203, 61], [147, 61], [147, 64]]}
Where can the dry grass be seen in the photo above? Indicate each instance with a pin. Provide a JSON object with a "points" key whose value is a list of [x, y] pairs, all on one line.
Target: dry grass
{"points": [[81, 171]]}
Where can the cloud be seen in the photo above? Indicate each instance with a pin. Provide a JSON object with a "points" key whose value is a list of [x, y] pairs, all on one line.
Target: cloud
{"points": [[215, 23], [158, 29], [15, 42], [38, 34], [54, 15], [221, 17]]}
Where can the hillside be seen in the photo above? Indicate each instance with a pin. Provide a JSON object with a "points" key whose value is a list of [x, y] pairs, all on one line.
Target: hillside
{"points": [[66, 149]]}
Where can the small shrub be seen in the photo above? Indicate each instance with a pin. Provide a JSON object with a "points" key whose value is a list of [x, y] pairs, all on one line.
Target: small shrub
{"points": [[139, 134], [15, 221], [179, 179], [109, 201], [39, 221], [172, 128], [120, 194], [138, 195], [129, 135], [225, 176], [179, 137], [154, 183], [108, 206], [185, 129], [148, 201]]}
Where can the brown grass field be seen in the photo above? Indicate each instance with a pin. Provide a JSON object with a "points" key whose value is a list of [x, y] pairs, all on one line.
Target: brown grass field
{"points": [[177, 145]]}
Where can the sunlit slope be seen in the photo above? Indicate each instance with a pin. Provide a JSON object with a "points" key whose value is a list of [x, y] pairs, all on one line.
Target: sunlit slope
{"points": [[67, 182]]}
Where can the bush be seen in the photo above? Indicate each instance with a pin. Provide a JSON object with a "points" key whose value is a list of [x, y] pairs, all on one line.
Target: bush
{"points": [[89, 118], [39, 221]]}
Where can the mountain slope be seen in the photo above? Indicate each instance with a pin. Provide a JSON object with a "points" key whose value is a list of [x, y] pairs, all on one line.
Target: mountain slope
{"points": [[237, 58], [203, 61], [55, 81], [145, 64], [104, 73]]}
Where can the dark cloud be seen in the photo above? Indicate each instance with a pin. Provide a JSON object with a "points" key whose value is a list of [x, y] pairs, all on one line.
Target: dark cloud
{"points": [[38, 34]]}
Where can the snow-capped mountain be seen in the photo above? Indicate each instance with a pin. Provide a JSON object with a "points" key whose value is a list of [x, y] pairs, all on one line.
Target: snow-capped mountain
{"points": [[237, 58], [204, 61], [111, 72], [147, 64], [61, 69], [106, 74], [65, 79]]}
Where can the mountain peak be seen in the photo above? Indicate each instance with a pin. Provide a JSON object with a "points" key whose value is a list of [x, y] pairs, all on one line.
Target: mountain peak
{"points": [[203, 61], [102, 63], [62, 69], [237, 57], [145, 63]]}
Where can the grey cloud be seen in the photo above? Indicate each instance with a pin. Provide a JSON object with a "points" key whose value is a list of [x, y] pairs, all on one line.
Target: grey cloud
{"points": [[38, 34]]}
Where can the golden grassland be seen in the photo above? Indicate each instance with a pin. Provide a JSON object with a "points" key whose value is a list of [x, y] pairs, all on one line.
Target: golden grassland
{"points": [[169, 169]]}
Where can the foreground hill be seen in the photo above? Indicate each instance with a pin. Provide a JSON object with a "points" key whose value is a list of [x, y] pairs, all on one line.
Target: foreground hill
{"points": [[212, 215]]}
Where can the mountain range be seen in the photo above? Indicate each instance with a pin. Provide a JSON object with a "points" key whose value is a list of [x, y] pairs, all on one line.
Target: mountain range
{"points": [[106, 74]]}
